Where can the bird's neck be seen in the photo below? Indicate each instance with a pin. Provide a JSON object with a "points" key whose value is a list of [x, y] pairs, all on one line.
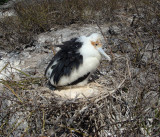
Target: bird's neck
{"points": [[89, 51]]}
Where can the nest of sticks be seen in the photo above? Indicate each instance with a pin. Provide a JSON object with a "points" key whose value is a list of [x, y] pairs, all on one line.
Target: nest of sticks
{"points": [[33, 109], [126, 102]]}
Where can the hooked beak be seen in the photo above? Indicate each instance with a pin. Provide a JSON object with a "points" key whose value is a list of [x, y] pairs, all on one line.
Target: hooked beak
{"points": [[103, 53]]}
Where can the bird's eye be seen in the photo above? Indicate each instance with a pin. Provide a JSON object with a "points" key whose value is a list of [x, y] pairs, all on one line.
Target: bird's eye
{"points": [[96, 44]]}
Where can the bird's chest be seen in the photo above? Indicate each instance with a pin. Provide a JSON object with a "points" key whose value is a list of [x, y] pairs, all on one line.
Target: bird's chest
{"points": [[89, 53], [90, 64]]}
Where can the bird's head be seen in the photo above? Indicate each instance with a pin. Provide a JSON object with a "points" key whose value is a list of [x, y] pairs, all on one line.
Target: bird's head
{"points": [[95, 40]]}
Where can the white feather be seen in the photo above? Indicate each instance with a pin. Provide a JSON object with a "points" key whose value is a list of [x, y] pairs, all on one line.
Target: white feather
{"points": [[91, 60]]}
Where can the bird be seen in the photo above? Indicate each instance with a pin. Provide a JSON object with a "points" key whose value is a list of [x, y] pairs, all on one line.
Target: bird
{"points": [[76, 60]]}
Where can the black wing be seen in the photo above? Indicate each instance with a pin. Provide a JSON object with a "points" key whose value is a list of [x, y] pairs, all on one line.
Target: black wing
{"points": [[72, 44], [68, 58]]}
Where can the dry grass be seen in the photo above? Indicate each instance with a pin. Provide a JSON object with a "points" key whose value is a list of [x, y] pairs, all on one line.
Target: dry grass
{"points": [[44, 14], [132, 109], [36, 16]]}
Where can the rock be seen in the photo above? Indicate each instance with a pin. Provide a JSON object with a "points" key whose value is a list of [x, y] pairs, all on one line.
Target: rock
{"points": [[114, 30], [57, 37], [7, 13], [19, 119], [154, 21]]}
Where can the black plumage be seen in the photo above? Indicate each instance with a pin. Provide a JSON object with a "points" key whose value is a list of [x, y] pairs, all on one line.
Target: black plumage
{"points": [[79, 79], [76, 60], [68, 58]]}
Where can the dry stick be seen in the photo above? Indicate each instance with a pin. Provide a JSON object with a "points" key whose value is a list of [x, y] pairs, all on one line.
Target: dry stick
{"points": [[6, 85], [4, 67], [3, 124], [22, 72], [128, 68], [43, 127], [14, 127], [136, 7], [72, 129], [104, 95], [105, 39], [129, 72]]}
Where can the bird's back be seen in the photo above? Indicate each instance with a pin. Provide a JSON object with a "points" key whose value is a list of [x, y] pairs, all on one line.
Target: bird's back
{"points": [[67, 59]]}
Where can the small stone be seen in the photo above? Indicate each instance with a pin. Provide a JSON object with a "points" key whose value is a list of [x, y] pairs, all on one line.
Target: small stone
{"points": [[114, 30]]}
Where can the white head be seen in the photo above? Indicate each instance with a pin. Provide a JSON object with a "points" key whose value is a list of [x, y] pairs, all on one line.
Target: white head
{"points": [[95, 41]]}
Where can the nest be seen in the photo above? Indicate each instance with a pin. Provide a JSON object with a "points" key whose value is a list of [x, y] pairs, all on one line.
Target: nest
{"points": [[93, 110], [121, 99]]}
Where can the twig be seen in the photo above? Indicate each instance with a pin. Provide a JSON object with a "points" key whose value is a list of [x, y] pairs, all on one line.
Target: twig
{"points": [[129, 72], [136, 7], [4, 67], [22, 72], [43, 122], [104, 95], [12, 91], [14, 127], [26, 129]]}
